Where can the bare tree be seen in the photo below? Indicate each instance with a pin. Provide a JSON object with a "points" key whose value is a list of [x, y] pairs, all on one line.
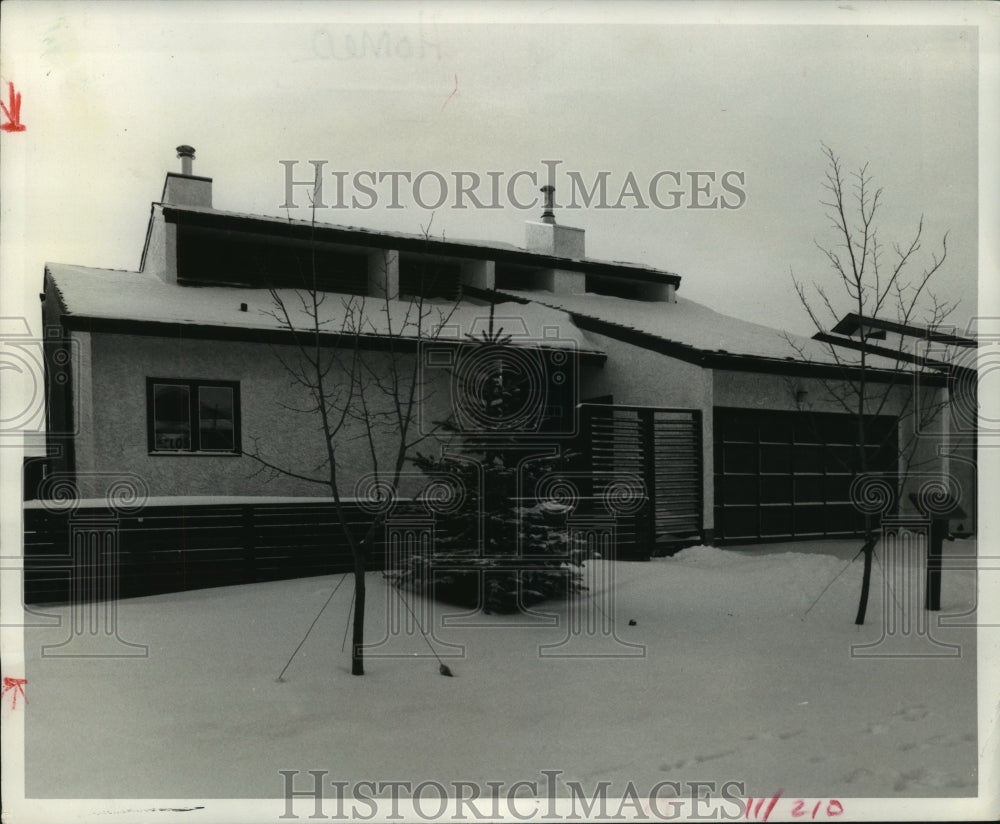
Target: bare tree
{"points": [[354, 394], [874, 281]]}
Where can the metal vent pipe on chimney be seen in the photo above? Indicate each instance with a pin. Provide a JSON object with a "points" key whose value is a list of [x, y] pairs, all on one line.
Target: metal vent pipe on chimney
{"points": [[186, 154], [548, 216]]}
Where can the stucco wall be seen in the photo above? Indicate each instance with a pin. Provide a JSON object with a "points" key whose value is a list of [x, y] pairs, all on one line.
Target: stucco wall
{"points": [[962, 462], [83, 400], [752, 390], [111, 400], [962, 466], [117, 439], [161, 251], [639, 377]]}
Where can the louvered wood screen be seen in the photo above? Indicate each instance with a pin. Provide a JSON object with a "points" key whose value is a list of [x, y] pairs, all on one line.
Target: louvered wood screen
{"points": [[661, 450]]}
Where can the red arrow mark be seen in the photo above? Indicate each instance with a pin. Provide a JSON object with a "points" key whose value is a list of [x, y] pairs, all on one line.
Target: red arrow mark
{"points": [[16, 687], [13, 114], [450, 96]]}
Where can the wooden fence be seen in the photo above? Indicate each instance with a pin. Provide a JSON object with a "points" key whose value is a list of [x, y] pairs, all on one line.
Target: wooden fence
{"points": [[169, 548], [92, 553]]}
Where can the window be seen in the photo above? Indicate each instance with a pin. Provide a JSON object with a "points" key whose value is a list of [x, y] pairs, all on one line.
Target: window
{"points": [[620, 288], [429, 279], [208, 256], [193, 416]]}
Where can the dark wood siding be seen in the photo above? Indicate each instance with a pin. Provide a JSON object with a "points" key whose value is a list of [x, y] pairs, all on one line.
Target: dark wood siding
{"points": [[174, 548]]}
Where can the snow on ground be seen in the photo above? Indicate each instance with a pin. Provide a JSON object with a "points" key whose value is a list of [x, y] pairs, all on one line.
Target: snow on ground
{"points": [[740, 680]]}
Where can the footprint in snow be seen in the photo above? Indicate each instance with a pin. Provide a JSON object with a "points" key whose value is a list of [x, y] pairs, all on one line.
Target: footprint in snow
{"points": [[942, 740], [923, 778], [781, 736], [912, 713], [906, 779], [859, 774], [699, 759]]}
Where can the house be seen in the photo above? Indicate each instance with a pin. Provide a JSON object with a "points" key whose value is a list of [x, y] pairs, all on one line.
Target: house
{"points": [[953, 426], [177, 373]]}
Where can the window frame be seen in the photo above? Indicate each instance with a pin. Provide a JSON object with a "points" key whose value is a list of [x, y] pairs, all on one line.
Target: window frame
{"points": [[193, 385]]}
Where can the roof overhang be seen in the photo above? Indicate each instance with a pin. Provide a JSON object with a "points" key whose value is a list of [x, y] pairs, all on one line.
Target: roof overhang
{"points": [[748, 363], [303, 231], [852, 322], [886, 352], [198, 331]]}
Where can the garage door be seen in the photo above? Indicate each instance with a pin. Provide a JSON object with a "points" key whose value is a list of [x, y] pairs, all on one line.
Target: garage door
{"points": [[782, 475]]}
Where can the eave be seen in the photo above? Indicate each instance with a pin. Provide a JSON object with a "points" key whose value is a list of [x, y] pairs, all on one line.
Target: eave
{"points": [[198, 331], [349, 236], [852, 322], [713, 359], [886, 352]]}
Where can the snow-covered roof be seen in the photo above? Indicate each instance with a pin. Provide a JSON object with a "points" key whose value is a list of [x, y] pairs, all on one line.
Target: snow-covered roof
{"points": [[691, 324], [909, 342], [136, 296]]}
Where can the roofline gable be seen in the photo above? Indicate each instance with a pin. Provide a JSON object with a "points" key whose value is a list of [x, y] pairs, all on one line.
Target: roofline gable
{"points": [[852, 321], [712, 359], [149, 233], [886, 352]]}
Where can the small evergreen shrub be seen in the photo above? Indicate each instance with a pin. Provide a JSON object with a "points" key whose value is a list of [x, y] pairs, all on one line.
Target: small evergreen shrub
{"points": [[497, 544], [523, 556]]}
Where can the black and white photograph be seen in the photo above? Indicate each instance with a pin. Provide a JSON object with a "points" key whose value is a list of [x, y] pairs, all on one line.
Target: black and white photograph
{"points": [[499, 412]]}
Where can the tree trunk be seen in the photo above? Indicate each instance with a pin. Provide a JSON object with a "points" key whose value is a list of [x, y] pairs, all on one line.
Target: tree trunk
{"points": [[866, 581], [358, 638]]}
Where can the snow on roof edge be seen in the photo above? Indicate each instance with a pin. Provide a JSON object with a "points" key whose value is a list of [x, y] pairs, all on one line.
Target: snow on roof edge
{"points": [[742, 347], [114, 294]]}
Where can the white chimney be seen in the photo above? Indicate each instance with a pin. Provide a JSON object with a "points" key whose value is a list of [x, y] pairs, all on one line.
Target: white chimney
{"points": [[186, 188], [549, 238], [186, 154]]}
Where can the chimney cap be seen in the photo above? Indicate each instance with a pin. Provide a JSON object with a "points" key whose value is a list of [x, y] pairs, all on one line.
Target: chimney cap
{"points": [[548, 216], [185, 151]]}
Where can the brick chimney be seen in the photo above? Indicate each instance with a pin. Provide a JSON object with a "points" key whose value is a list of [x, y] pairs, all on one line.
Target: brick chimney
{"points": [[186, 188]]}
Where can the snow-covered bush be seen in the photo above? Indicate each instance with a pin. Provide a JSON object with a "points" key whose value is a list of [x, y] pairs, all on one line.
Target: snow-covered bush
{"points": [[500, 546], [497, 549]]}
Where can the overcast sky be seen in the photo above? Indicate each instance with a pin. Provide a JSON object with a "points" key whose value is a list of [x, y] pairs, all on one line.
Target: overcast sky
{"points": [[109, 90]]}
